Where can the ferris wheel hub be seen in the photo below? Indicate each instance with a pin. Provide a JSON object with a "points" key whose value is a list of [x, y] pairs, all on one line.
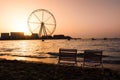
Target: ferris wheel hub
{"points": [[42, 23]]}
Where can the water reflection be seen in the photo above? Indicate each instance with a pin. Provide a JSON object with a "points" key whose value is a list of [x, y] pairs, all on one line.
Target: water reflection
{"points": [[38, 49], [20, 58], [23, 46]]}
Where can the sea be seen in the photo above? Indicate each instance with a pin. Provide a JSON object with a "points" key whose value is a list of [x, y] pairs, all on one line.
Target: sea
{"points": [[35, 50]]}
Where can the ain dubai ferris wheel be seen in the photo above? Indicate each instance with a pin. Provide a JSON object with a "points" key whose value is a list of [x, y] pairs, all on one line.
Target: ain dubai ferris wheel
{"points": [[41, 22]]}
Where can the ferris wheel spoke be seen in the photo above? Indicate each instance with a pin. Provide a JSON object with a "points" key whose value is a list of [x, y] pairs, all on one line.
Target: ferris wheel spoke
{"points": [[36, 28], [37, 17], [35, 22], [48, 30], [42, 15], [47, 19], [49, 24]]}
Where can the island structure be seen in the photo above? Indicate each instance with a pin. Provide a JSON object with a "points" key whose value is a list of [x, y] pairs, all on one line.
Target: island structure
{"points": [[22, 36]]}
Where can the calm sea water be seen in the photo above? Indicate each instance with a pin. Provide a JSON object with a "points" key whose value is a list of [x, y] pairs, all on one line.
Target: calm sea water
{"points": [[17, 49]]}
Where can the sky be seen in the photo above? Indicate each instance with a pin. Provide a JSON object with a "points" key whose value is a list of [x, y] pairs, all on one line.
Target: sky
{"points": [[76, 18]]}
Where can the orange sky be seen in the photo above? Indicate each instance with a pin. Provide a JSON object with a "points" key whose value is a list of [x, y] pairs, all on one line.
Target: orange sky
{"points": [[77, 18]]}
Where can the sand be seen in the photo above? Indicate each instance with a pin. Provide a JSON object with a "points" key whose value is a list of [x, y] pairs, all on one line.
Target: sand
{"points": [[22, 70]]}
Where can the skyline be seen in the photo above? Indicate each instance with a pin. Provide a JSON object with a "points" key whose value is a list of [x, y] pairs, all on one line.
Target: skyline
{"points": [[76, 18]]}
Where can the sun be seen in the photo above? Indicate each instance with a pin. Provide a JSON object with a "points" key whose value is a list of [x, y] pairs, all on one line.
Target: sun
{"points": [[21, 26]]}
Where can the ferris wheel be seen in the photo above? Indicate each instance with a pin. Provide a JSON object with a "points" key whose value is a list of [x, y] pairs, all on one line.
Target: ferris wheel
{"points": [[41, 22]]}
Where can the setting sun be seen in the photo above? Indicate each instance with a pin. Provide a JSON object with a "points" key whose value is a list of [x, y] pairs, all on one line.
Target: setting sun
{"points": [[22, 27], [17, 23]]}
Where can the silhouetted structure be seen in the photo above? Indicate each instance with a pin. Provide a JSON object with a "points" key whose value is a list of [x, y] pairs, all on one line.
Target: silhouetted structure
{"points": [[46, 37], [34, 36], [61, 37], [58, 36], [43, 30], [17, 35], [5, 36], [93, 39], [21, 36], [104, 38]]}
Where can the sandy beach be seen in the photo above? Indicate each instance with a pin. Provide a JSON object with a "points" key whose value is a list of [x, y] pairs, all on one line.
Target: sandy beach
{"points": [[79, 63], [21, 70]]}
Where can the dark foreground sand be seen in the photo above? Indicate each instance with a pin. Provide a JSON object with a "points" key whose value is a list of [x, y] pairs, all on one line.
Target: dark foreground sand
{"points": [[19, 70]]}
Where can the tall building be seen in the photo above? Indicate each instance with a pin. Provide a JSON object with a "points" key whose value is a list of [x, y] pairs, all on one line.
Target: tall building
{"points": [[17, 35], [5, 36]]}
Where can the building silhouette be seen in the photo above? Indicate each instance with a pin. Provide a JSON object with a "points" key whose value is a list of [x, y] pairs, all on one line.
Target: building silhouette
{"points": [[5, 36], [61, 37], [34, 36], [17, 35], [21, 36]]}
